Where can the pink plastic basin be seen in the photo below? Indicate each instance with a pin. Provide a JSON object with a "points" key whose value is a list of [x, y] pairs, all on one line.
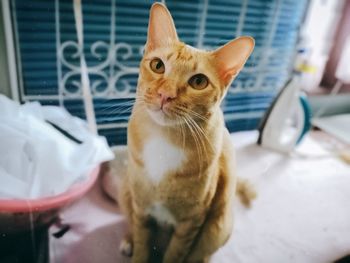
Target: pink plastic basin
{"points": [[17, 215]]}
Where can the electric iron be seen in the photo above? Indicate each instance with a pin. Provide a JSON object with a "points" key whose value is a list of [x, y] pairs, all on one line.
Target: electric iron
{"points": [[287, 120]]}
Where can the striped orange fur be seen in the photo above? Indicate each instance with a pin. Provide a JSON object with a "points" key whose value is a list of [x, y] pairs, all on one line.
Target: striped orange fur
{"points": [[181, 164]]}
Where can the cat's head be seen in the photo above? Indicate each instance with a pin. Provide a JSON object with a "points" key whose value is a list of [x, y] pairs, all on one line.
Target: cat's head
{"points": [[178, 81]]}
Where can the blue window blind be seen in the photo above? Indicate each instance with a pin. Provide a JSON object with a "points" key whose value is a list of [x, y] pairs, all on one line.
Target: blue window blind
{"points": [[114, 35]]}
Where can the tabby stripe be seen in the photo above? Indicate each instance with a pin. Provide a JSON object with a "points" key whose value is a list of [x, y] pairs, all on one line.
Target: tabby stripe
{"points": [[170, 55]]}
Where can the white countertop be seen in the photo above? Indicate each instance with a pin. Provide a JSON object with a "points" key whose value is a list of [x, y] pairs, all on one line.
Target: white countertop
{"points": [[301, 214]]}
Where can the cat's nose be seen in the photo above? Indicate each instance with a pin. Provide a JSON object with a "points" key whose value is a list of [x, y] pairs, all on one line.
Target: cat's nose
{"points": [[165, 97]]}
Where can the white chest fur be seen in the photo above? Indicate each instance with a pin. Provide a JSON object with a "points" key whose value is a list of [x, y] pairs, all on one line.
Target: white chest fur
{"points": [[161, 214], [161, 157]]}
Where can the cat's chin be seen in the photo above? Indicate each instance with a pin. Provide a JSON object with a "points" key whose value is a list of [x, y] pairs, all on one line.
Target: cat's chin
{"points": [[160, 118]]}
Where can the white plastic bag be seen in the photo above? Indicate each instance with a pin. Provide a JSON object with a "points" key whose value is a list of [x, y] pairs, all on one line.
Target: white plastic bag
{"points": [[44, 150]]}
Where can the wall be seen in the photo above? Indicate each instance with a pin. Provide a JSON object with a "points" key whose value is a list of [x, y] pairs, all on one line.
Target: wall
{"points": [[317, 36], [329, 105], [4, 75], [342, 33]]}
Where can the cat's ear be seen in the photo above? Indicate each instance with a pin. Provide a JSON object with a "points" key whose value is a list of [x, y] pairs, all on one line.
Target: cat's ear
{"points": [[161, 28], [231, 57]]}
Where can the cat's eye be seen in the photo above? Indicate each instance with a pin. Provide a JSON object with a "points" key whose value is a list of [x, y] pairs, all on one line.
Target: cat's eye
{"points": [[157, 66], [198, 81]]}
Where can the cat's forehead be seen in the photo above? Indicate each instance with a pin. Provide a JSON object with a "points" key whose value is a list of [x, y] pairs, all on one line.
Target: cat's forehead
{"points": [[182, 57], [178, 51]]}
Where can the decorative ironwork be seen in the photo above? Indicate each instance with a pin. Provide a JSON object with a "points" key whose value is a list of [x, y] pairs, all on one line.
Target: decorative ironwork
{"points": [[105, 75]]}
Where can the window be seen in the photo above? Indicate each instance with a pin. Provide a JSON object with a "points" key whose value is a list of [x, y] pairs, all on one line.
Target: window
{"points": [[114, 35]]}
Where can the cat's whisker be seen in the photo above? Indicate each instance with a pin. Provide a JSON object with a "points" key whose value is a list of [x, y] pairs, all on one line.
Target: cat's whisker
{"points": [[182, 135], [196, 140], [180, 123], [122, 111], [118, 105], [141, 105], [199, 132], [125, 107], [183, 119], [200, 129], [189, 111], [198, 115], [144, 104], [195, 125], [113, 107]]}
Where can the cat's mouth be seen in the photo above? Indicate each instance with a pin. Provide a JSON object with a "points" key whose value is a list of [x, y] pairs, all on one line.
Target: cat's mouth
{"points": [[161, 115]]}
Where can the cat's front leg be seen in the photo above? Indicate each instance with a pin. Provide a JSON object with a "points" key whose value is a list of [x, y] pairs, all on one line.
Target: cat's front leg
{"points": [[141, 239], [181, 242]]}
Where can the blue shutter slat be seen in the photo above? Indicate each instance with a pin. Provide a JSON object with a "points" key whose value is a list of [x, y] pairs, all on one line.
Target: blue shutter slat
{"points": [[33, 65]]}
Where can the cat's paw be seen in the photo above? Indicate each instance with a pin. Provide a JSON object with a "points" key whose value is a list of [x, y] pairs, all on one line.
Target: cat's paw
{"points": [[126, 247]]}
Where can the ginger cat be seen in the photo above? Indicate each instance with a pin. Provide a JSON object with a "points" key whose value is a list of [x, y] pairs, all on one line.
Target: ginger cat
{"points": [[181, 164]]}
